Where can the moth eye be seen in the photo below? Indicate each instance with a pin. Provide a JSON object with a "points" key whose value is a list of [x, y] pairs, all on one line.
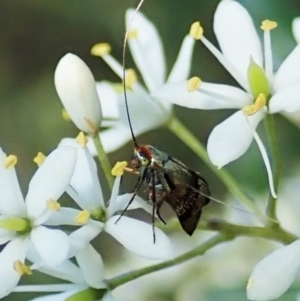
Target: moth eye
{"points": [[145, 161]]}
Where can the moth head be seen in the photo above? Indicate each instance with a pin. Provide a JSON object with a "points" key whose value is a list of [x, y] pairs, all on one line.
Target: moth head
{"points": [[142, 156]]}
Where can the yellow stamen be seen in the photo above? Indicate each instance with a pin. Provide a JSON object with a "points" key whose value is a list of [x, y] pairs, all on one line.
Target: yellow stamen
{"points": [[250, 283], [131, 78], [53, 205], [21, 268], [10, 161], [39, 159], [119, 168], [82, 217], [260, 102], [81, 139], [194, 84], [65, 115], [133, 33], [196, 31], [268, 25], [101, 49]]}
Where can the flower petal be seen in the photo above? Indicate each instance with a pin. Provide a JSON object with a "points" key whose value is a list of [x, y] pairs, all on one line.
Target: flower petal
{"points": [[109, 101], [136, 236], [275, 273], [286, 100], [287, 74], [84, 182], [81, 237], [11, 201], [91, 265], [146, 49], [14, 250], [65, 216], [46, 242], [112, 139], [67, 271], [208, 97], [230, 139], [182, 66], [75, 85], [50, 181], [236, 35], [113, 198], [296, 29], [61, 296]]}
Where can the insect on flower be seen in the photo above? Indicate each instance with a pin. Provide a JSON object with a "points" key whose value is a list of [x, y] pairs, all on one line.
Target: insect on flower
{"points": [[169, 180]]}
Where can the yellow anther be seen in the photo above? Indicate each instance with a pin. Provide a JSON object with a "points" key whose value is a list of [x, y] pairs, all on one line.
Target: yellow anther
{"points": [[53, 205], [39, 159], [119, 168], [131, 78], [21, 268], [66, 115], [133, 33], [101, 49], [82, 217], [196, 31], [81, 139], [194, 84], [268, 25], [250, 283], [260, 102], [10, 161]]}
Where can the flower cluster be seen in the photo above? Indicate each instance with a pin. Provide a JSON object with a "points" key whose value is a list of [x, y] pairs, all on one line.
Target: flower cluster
{"points": [[38, 233]]}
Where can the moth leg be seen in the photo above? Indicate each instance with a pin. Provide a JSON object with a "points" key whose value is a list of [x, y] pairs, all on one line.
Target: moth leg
{"points": [[138, 184]]}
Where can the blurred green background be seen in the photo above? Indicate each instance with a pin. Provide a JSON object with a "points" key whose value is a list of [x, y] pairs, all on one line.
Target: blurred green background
{"points": [[35, 34]]}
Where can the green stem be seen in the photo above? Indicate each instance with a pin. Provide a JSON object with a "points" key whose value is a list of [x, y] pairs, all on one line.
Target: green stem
{"points": [[104, 162], [274, 151], [194, 144], [122, 279], [227, 232]]}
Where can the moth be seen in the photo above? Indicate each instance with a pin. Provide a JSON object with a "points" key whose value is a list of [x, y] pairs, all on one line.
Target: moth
{"points": [[168, 179]]}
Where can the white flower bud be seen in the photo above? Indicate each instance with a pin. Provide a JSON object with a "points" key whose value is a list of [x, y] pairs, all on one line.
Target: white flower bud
{"points": [[75, 85]]}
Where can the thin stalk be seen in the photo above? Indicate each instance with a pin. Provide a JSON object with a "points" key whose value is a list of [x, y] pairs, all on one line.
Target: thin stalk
{"points": [[195, 145], [104, 162], [227, 232], [122, 279], [275, 161]]}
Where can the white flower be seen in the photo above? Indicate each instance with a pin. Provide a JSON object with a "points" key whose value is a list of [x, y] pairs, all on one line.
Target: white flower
{"points": [[96, 216], [263, 93], [86, 280], [75, 86], [275, 273], [21, 223], [145, 113]]}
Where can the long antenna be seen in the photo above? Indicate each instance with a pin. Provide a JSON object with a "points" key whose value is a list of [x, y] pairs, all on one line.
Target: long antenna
{"points": [[124, 70]]}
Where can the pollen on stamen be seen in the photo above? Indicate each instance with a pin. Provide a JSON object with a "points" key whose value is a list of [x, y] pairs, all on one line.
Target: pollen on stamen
{"points": [[196, 31], [101, 49], [39, 159], [131, 78], [194, 84], [66, 115], [268, 25], [260, 102], [133, 33], [53, 205], [82, 217], [119, 168], [10, 161], [21, 268], [81, 139]]}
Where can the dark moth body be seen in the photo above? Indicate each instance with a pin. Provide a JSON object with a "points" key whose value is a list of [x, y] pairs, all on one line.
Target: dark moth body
{"points": [[171, 181]]}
